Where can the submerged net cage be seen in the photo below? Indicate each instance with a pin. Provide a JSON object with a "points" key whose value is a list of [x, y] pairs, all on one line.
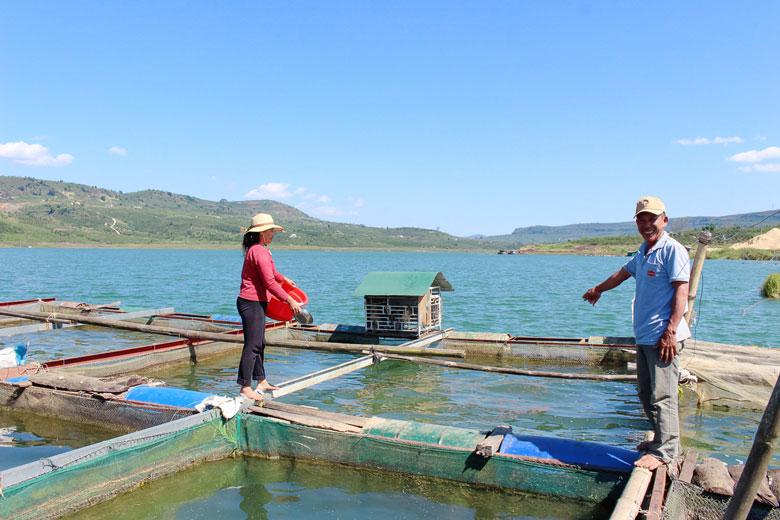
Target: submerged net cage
{"points": [[71, 481], [690, 502]]}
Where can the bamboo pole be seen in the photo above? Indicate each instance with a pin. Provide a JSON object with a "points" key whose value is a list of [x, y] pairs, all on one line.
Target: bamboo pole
{"points": [[705, 237], [633, 495], [233, 337], [511, 370], [758, 460]]}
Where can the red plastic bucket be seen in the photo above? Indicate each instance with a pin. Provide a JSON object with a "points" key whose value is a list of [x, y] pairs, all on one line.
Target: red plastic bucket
{"points": [[279, 310]]}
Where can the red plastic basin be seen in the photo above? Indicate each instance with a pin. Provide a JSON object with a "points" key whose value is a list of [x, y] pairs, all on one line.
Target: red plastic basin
{"points": [[279, 310]]}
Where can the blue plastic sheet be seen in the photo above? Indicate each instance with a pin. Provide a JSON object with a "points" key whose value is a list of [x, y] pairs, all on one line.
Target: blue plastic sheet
{"points": [[166, 396], [579, 453]]}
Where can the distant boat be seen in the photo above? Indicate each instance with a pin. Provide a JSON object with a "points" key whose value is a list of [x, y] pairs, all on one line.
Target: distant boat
{"points": [[631, 253]]}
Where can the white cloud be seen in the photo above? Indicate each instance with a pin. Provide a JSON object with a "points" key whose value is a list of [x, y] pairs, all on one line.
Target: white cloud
{"points": [[270, 190], [315, 204], [769, 167], [766, 168], [698, 141], [117, 150], [754, 156], [34, 154]]}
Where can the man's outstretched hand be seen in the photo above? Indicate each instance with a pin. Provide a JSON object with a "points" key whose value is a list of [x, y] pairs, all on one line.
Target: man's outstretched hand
{"points": [[591, 296]]}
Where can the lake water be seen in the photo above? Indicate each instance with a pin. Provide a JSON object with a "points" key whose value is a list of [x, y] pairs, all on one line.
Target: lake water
{"points": [[521, 295]]}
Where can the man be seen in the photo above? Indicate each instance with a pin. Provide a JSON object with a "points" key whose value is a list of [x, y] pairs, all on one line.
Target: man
{"points": [[661, 269]]}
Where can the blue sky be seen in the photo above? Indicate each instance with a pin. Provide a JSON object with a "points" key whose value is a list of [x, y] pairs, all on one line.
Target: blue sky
{"points": [[471, 117]]}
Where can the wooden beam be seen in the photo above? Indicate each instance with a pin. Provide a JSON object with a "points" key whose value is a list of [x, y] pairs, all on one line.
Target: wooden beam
{"points": [[64, 323], [633, 495], [511, 370], [231, 337], [359, 348], [329, 373], [321, 376]]}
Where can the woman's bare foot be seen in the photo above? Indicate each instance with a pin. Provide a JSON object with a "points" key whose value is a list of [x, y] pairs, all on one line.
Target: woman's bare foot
{"points": [[648, 461], [246, 391], [265, 386]]}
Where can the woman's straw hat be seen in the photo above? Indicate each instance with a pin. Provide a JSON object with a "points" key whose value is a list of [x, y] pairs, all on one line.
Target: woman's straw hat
{"points": [[262, 222]]}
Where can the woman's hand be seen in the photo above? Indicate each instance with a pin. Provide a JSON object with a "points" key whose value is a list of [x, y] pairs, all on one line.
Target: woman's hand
{"points": [[294, 305]]}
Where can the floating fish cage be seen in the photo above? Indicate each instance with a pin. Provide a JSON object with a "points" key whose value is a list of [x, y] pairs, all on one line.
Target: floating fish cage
{"points": [[403, 305]]}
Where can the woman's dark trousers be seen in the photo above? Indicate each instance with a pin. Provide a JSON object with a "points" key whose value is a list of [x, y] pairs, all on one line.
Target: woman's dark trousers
{"points": [[252, 356]]}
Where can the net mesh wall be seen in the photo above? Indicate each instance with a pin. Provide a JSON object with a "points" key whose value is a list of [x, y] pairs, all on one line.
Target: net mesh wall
{"points": [[131, 461], [87, 408], [268, 438], [689, 502]]}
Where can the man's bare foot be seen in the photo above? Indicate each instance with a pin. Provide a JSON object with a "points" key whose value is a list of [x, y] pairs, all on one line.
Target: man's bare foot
{"points": [[265, 386], [648, 461], [644, 445], [246, 391]]}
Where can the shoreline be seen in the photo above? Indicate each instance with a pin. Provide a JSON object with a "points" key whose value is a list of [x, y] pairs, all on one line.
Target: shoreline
{"points": [[228, 247], [722, 253]]}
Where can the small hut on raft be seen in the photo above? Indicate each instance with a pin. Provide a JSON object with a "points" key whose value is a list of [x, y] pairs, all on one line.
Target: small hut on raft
{"points": [[403, 304]]}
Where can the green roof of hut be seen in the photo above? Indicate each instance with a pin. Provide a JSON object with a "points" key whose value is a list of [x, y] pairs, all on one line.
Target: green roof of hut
{"points": [[401, 283]]}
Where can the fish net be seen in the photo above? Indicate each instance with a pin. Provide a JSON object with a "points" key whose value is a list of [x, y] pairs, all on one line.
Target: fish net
{"points": [[689, 502], [69, 482], [734, 377]]}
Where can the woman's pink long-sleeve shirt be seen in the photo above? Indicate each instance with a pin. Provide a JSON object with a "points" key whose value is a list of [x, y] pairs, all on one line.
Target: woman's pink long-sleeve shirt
{"points": [[259, 277]]}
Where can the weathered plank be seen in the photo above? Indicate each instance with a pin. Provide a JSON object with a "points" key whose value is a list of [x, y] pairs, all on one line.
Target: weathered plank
{"points": [[354, 420], [688, 465], [306, 420], [492, 443], [654, 509], [323, 375]]}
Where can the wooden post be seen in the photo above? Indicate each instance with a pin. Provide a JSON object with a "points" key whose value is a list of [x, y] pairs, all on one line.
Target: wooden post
{"points": [[757, 462], [705, 237]]}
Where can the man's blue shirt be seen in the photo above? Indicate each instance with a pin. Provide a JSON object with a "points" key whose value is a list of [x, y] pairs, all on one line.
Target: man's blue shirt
{"points": [[654, 271]]}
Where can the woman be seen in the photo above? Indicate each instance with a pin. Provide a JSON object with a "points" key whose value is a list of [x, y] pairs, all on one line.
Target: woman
{"points": [[259, 280]]}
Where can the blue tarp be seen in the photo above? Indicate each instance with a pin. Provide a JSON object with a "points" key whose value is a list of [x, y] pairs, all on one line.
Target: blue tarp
{"points": [[167, 396], [226, 317], [579, 453]]}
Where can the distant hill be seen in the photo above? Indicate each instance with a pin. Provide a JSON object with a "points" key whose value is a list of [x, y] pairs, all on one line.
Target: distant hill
{"points": [[42, 212], [557, 234]]}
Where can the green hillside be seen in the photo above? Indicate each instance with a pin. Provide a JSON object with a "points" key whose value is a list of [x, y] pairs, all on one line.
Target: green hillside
{"points": [[561, 234], [42, 212], [722, 239]]}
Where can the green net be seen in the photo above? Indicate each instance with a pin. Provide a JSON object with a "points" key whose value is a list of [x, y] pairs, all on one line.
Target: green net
{"points": [[689, 502], [75, 480], [269, 438]]}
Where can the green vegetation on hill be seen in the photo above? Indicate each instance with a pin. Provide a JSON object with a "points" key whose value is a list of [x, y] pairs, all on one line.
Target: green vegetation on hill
{"points": [[41, 212], [587, 232], [722, 239]]}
